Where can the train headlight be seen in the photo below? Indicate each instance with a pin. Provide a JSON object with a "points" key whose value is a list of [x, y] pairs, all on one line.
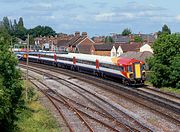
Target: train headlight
{"points": [[131, 75]]}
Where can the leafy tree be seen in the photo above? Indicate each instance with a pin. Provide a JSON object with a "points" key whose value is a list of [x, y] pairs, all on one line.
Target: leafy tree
{"points": [[126, 32], [165, 30], [21, 31], [18, 30], [109, 39], [42, 31], [10, 85], [165, 64], [31, 40], [8, 25], [138, 39]]}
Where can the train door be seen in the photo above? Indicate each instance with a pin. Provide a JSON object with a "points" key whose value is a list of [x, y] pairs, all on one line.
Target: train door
{"points": [[137, 70]]}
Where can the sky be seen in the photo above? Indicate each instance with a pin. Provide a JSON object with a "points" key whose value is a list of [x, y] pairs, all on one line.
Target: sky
{"points": [[96, 17]]}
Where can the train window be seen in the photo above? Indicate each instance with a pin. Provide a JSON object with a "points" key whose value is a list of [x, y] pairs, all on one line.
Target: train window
{"points": [[48, 56], [129, 68], [143, 67], [115, 67], [64, 58], [86, 62]]}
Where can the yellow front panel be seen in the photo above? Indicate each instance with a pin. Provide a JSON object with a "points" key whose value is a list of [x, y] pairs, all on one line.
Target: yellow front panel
{"points": [[137, 70]]}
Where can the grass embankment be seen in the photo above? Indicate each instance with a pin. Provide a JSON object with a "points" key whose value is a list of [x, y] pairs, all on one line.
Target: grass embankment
{"points": [[171, 90], [35, 118], [166, 89]]}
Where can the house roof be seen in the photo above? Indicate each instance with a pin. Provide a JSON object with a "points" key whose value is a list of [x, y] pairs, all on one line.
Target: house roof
{"points": [[74, 40], [148, 37], [62, 43], [130, 47], [118, 38], [103, 47]]}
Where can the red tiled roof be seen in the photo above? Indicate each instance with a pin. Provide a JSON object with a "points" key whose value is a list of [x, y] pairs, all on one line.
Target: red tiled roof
{"points": [[63, 43], [103, 47], [130, 47]]}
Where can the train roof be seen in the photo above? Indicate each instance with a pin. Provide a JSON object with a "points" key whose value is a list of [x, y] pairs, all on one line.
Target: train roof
{"points": [[102, 59], [127, 61]]}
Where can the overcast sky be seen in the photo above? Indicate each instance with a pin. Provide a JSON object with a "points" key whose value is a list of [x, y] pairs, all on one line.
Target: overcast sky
{"points": [[97, 17]]}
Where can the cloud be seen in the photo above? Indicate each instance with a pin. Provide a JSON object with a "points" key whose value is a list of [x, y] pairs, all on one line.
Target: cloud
{"points": [[136, 7], [104, 16], [72, 6], [100, 4], [177, 17], [134, 11]]}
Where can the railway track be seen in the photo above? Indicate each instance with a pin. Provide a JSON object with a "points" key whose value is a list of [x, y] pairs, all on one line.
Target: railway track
{"points": [[169, 106], [125, 120], [168, 96], [60, 102], [171, 98]]}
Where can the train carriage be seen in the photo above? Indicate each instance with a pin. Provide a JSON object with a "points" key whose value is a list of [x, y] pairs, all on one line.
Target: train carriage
{"points": [[128, 71]]}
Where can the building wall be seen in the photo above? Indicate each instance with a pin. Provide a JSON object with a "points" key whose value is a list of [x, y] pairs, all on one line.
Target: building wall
{"points": [[102, 53], [146, 47], [119, 51], [113, 52]]}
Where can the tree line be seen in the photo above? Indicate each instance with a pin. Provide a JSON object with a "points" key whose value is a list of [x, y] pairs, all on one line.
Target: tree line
{"points": [[165, 63], [17, 29], [10, 84]]}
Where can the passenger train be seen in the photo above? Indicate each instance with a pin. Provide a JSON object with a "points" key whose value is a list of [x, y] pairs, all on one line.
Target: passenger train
{"points": [[125, 70]]}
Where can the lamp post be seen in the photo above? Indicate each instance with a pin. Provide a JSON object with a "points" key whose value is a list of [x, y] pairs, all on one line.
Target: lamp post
{"points": [[27, 66]]}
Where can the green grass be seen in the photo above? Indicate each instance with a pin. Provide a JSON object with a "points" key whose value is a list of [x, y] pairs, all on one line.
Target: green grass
{"points": [[166, 89], [35, 118], [171, 90]]}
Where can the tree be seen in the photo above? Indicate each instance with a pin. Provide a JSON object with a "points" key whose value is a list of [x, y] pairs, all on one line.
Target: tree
{"points": [[8, 25], [126, 32], [165, 30], [42, 31], [10, 84], [138, 39], [109, 39], [165, 64], [21, 31]]}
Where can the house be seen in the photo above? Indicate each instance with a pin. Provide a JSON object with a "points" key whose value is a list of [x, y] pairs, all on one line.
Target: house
{"points": [[103, 49], [86, 49], [53, 42], [120, 39], [146, 47], [98, 39], [123, 48], [115, 49], [75, 43]]}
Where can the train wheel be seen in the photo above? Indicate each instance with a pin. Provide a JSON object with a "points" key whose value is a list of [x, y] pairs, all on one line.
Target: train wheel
{"points": [[103, 75], [72, 68], [125, 82]]}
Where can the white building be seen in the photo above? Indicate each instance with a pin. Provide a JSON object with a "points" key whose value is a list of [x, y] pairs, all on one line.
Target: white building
{"points": [[146, 47]]}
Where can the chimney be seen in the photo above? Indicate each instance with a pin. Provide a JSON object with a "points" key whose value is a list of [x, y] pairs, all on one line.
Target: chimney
{"points": [[84, 34], [77, 33]]}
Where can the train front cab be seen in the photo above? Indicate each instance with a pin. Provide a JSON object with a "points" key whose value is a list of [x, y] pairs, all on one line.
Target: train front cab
{"points": [[134, 71]]}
